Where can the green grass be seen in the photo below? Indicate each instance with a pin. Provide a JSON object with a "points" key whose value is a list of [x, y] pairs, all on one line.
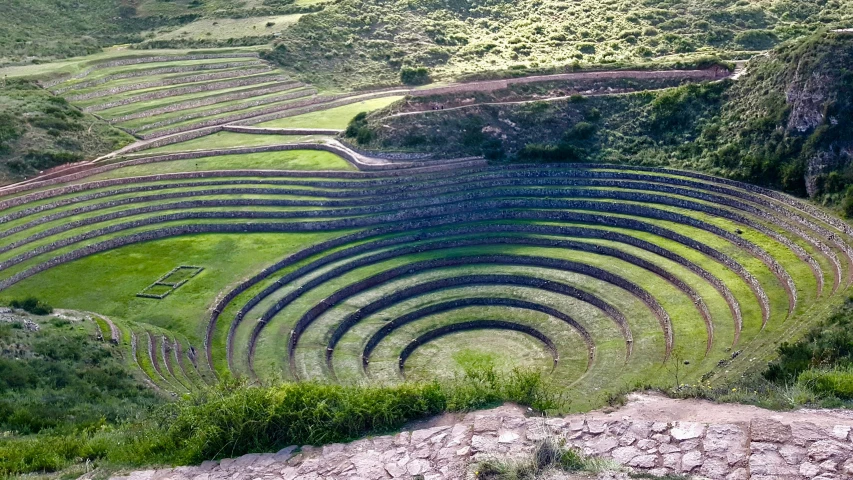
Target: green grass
{"points": [[62, 378], [141, 122], [284, 160], [227, 140], [338, 117], [237, 418], [113, 278], [224, 28]]}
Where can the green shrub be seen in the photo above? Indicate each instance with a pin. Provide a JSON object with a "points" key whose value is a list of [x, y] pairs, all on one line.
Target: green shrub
{"points": [[414, 75], [756, 39], [32, 305], [837, 382], [542, 153], [580, 131], [827, 345]]}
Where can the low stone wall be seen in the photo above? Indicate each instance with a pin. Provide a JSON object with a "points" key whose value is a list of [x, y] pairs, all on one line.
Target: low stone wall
{"points": [[202, 77], [280, 131], [386, 155], [673, 438], [173, 92], [337, 101], [156, 71]]}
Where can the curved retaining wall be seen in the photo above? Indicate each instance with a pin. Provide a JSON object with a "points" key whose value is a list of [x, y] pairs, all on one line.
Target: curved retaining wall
{"points": [[424, 247], [836, 223], [345, 99], [202, 77], [387, 329], [173, 92], [470, 192], [516, 280], [235, 118], [392, 274], [231, 108], [211, 100], [480, 216], [400, 172], [156, 71], [149, 59], [475, 325], [464, 230], [609, 207]]}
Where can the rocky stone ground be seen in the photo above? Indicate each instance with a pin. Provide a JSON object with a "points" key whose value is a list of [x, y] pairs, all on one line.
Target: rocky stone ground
{"points": [[651, 434]]}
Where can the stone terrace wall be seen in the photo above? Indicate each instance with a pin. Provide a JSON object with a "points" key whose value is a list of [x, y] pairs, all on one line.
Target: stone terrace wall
{"points": [[748, 444], [201, 77], [211, 100], [156, 71], [152, 59], [173, 92]]}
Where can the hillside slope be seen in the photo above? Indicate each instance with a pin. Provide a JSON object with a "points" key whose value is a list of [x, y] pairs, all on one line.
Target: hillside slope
{"points": [[786, 123], [357, 42], [39, 130]]}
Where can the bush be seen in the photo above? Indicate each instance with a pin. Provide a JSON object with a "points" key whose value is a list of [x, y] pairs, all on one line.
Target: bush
{"points": [[541, 153], [837, 382], [359, 130], [414, 75], [828, 345], [756, 39], [32, 305]]}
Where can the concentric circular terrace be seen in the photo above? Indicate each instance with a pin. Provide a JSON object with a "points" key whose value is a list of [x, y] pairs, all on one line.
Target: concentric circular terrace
{"points": [[597, 274]]}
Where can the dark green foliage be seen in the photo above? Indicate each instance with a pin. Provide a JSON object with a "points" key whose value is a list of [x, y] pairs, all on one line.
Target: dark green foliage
{"points": [[358, 129], [359, 43], [540, 153], [236, 418], [836, 383], [756, 39], [9, 131], [414, 75], [32, 305], [827, 345], [675, 108], [62, 379], [39, 131]]}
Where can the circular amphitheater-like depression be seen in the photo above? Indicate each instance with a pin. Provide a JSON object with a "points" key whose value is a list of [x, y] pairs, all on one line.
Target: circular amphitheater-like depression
{"points": [[595, 274]]}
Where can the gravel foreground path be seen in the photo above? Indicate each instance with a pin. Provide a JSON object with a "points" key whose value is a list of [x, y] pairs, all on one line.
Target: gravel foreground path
{"points": [[651, 434]]}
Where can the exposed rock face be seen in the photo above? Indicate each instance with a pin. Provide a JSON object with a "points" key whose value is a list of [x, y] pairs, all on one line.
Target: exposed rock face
{"points": [[744, 448]]}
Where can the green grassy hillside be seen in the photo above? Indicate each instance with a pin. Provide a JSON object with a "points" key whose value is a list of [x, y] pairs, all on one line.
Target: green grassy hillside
{"points": [[357, 42], [785, 123], [39, 131], [39, 30]]}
